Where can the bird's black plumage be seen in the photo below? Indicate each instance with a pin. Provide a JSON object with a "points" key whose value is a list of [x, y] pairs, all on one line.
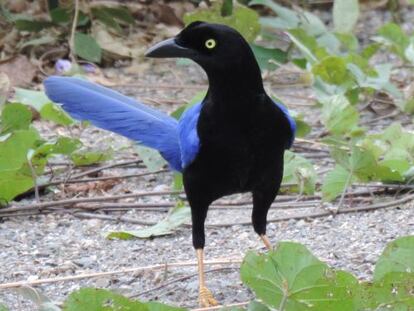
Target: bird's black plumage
{"points": [[242, 133]]}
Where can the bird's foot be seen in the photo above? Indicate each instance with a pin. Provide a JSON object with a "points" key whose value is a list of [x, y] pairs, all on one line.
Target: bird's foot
{"points": [[266, 242], [206, 298]]}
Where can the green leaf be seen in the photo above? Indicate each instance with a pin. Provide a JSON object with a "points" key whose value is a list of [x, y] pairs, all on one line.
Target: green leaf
{"points": [[112, 15], [15, 117], [175, 218], [362, 63], [84, 158], [409, 52], [14, 148], [3, 307], [291, 278], [44, 39], [151, 158], [62, 145], [15, 177], [87, 48], [394, 291], [243, 19], [35, 99], [407, 106], [102, 14], [93, 299], [392, 144], [178, 182], [307, 45], [39, 101], [66, 145], [286, 19], [362, 163], [121, 14], [338, 115], [302, 128], [335, 183], [300, 171], [268, 58], [370, 50], [30, 25], [42, 302], [12, 183], [257, 306], [345, 15], [61, 15], [394, 36], [398, 256], [227, 8], [195, 100], [312, 24], [348, 40], [53, 112], [332, 70]]}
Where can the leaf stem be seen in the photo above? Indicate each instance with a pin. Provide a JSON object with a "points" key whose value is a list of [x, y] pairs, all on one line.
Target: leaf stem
{"points": [[283, 302], [34, 176], [341, 200], [73, 31]]}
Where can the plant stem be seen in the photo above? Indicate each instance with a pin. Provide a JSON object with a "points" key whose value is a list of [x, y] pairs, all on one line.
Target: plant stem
{"points": [[34, 176], [347, 184], [73, 31]]}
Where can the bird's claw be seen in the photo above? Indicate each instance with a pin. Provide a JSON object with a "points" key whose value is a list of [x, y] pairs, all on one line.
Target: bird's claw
{"points": [[206, 298]]}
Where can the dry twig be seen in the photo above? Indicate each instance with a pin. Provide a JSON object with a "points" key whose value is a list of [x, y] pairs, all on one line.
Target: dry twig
{"points": [[123, 271]]}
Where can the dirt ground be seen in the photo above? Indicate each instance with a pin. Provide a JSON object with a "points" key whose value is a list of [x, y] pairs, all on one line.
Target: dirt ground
{"points": [[61, 244]]}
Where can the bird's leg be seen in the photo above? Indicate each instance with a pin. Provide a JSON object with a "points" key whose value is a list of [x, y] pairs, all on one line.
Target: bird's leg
{"points": [[261, 204], [266, 241], [199, 207], [206, 298]]}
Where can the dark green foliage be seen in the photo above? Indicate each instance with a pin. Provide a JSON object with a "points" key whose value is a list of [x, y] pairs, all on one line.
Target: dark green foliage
{"points": [[245, 20], [22, 146]]}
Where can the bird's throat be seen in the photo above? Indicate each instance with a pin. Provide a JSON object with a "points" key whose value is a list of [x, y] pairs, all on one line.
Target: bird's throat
{"points": [[235, 84]]}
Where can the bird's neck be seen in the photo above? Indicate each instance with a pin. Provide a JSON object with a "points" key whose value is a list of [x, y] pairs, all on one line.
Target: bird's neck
{"points": [[238, 85]]}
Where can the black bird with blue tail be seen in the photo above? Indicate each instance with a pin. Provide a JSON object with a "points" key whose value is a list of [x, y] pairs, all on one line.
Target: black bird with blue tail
{"points": [[233, 141]]}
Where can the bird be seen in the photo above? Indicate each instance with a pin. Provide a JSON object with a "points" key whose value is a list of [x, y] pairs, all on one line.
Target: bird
{"points": [[233, 141]]}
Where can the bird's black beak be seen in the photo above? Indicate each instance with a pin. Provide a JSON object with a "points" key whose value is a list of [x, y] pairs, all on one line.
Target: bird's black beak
{"points": [[169, 48]]}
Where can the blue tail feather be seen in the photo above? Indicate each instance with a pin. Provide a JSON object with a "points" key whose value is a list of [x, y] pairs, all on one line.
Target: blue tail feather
{"points": [[117, 113]]}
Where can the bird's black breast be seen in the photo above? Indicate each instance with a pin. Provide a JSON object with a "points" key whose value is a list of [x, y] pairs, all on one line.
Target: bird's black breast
{"points": [[241, 146]]}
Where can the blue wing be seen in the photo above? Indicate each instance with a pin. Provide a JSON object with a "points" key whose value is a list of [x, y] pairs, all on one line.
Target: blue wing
{"points": [[188, 136], [292, 122], [117, 113]]}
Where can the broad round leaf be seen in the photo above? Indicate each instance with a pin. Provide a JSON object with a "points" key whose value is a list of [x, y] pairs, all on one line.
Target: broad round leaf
{"points": [[15, 117], [291, 278], [398, 256]]}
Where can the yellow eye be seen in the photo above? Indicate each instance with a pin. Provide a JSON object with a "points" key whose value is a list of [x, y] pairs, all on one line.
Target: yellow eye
{"points": [[210, 43]]}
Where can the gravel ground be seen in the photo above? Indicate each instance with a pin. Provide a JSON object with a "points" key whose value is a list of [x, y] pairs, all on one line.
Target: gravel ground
{"points": [[56, 245]]}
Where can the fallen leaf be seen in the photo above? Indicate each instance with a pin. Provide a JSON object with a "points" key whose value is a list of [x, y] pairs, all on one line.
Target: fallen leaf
{"points": [[93, 186], [175, 218], [165, 14], [19, 70], [116, 47]]}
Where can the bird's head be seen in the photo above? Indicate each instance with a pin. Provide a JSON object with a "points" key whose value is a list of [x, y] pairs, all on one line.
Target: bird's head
{"points": [[212, 46]]}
